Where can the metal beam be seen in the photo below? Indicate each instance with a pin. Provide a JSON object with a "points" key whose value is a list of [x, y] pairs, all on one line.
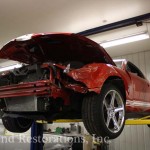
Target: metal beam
{"points": [[141, 121], [138, 122], [123, 23]]}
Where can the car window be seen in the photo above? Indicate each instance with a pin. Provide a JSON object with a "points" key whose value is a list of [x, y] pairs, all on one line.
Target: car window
{"points": [[133, 69], [119, 64]]}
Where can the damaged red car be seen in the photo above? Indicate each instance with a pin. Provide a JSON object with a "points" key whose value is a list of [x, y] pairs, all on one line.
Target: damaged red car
{"points": [[68, 76]]}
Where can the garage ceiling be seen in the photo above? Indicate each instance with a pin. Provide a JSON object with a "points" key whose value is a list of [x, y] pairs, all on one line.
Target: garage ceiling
{"points": [[22, 17]]}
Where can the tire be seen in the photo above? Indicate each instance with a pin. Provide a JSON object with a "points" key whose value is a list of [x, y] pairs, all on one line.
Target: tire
{"points": [[148, 125], [104, 114], [17, 125]]}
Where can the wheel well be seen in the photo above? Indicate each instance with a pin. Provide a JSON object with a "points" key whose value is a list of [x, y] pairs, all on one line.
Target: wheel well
{"points": [[118, 82]]}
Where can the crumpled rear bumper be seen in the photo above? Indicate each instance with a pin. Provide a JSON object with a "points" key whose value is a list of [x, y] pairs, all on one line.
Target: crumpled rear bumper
{"points": [[38, 88], [25, 89]]}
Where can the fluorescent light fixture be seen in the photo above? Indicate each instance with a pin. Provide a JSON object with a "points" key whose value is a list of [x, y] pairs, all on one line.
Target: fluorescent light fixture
{"points": [[125, 40], [10, 67]]}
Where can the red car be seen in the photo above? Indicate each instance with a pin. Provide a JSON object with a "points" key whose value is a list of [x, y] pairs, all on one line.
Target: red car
{"points": [[69, 76]]}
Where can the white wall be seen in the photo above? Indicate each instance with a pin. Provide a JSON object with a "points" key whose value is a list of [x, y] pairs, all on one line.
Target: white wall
{"points": [[141, 60], [133, 137]]}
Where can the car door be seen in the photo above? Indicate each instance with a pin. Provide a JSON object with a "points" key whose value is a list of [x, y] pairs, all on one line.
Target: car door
{"points": [[139, 85], [147, 98]]}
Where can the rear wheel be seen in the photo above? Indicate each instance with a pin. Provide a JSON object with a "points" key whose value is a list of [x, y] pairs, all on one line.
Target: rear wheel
{"points": [[17, 125], [104, 114]]}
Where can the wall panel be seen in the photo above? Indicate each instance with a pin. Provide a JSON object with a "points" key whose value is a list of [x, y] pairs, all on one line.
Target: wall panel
{"points": [[135, 137], [141, 60]]}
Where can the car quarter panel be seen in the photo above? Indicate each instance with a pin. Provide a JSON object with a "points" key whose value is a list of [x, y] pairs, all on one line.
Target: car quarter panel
{"points": [[94, 75], [147, 97]]}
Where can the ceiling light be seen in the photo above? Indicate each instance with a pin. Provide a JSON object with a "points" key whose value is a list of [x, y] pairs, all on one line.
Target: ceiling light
{"points": [[10, 67], [125, 40]]}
